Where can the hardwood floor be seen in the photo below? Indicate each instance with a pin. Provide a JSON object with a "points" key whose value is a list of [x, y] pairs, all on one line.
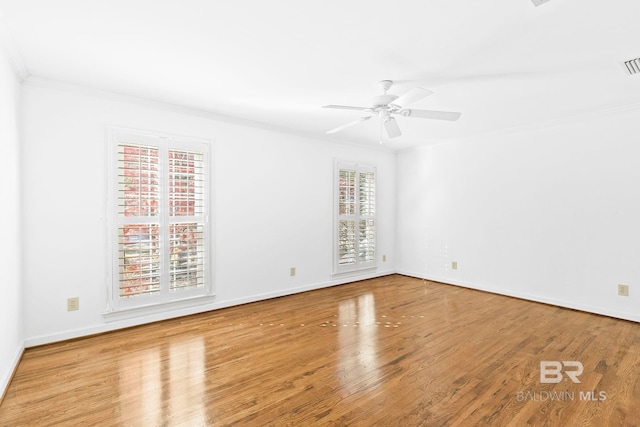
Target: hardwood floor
{"points": [[393, 351]]}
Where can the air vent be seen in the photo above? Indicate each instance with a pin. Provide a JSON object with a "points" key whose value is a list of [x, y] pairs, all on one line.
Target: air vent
{"points": [[539, 2], [632, 66]]}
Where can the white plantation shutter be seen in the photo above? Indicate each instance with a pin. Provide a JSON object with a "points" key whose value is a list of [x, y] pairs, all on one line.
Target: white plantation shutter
{"points": [[186, 211], [160, 219], [367, 229], [346, 242], [139, 259], [355, 237], [346, 216], [186, 183], [138, 198], [186, 265]]}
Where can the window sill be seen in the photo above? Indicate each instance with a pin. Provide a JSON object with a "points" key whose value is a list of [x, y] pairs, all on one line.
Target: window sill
{"points": [[355, 272], [159, 308]]}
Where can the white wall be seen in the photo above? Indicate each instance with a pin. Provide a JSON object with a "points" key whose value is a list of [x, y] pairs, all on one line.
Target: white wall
{"points": [[549, 214], [11, 327], [272, 211]]}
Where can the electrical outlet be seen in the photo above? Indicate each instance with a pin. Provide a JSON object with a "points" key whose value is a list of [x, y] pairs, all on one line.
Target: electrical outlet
{"points": [[292, 271], [454, 265], [623, 290], [73, 304]]}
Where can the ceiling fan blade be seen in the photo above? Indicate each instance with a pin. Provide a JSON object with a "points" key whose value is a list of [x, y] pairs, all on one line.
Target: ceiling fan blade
{"points": [[345, 107], [392, 127], [415, 94], [431, 114], [347, 125]]}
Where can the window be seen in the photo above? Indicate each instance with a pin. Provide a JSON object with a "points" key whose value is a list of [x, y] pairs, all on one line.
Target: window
{"points": [[355, 236], [159, 219]]}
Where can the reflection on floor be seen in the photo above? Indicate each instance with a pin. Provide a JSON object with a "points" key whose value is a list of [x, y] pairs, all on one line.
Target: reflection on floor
{"points": [[388, 351]]}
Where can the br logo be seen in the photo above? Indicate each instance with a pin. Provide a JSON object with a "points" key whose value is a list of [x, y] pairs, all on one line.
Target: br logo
{"points": [[551, 371]]}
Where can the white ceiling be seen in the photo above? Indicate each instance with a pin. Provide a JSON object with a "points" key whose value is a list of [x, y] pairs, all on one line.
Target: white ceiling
{"points": [[502, 63]]}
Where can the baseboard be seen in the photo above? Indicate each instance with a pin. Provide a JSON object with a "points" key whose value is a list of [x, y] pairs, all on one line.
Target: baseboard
{"points": [[10, 372], [337, 280], [156, 317], [525, 296]]}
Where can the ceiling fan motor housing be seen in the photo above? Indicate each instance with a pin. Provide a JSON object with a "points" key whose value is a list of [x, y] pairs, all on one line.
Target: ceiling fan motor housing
{"points": [[383, 101]]}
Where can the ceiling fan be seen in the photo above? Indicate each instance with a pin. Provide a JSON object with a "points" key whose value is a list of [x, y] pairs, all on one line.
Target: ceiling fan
{"points": [[387, 105]]}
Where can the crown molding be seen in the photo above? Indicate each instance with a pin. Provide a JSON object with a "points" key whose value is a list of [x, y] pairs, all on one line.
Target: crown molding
{"points": [[10, 49], [43, 82], [579, 116]]}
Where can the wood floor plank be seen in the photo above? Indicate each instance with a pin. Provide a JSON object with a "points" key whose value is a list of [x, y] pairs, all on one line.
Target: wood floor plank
{"points": [[392, 351]]}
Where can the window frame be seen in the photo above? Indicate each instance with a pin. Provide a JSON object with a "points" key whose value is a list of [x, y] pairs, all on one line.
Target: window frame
{"points": [[358, 265], [178, 297]]}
